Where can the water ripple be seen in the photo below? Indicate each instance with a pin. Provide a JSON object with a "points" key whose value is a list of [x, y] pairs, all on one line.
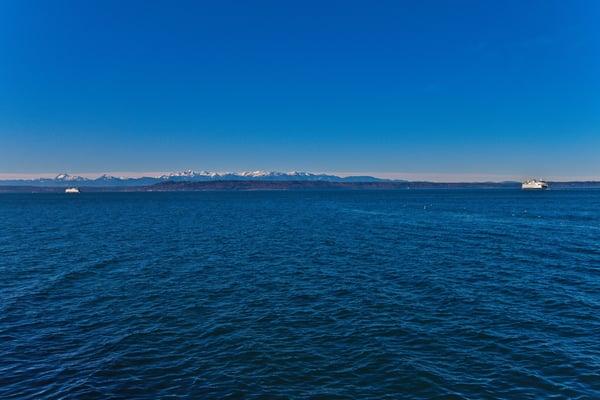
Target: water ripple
{"points": [[337, 295]]}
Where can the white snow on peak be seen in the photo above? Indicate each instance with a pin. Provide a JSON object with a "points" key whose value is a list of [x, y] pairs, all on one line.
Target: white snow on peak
{"points": [[245, 174], [260, 173], [67, 177], [254, 173], [300, 173], [106, 177], [186, 173], [207, 173]]}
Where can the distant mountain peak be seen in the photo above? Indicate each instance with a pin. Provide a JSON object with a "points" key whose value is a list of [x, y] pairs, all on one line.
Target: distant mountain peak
{"points": [[67, 177], [106, 177], [187, 175]]}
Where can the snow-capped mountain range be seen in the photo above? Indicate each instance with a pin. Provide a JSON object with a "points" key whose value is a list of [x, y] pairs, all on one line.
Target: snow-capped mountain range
{"points": [[184, 176]]}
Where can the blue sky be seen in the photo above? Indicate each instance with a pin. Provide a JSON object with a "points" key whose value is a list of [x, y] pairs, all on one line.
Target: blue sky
{"points": [[447, 89]]}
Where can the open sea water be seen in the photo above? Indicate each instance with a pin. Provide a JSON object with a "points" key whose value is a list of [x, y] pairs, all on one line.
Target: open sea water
{"points": [[444, 294]]}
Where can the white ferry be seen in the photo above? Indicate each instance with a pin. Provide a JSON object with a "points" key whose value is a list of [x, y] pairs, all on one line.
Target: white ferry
{"points": [[534, 184], [72, 190]]}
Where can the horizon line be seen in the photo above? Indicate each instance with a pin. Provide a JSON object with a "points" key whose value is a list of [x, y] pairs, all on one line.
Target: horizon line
{"points": [[439, 177]]}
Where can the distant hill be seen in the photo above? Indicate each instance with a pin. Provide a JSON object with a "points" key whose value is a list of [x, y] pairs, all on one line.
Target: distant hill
{"points": [[350, 185]]}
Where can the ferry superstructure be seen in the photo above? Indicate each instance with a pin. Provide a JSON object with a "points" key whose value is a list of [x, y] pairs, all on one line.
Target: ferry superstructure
{"points": [[534, 184]]}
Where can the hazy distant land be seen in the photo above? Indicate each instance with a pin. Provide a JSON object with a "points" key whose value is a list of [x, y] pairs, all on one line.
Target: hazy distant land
{"points": [[323, 182]]}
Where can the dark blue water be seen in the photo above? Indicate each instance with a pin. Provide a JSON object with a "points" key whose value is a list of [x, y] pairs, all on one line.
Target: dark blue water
{"points": [[412, 294]]}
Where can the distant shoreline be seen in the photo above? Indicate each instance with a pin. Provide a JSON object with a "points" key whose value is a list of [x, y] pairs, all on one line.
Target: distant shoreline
{"points": [[248, 185]]}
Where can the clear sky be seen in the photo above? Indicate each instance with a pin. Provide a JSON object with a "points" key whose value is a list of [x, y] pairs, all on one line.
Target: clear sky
{"points": [[401, 88]]}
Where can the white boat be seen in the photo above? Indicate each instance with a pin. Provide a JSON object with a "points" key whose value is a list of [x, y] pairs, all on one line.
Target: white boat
{"points": [[534, 184], [72, 190]]}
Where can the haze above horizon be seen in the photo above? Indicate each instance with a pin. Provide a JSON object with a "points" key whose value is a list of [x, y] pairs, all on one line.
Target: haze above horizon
{"points": [[407, 90]]}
